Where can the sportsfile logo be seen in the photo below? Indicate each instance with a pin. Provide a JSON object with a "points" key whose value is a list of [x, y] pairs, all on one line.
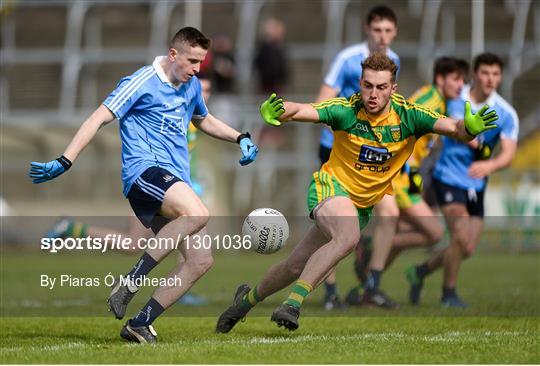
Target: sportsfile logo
{"points": [[373, 155]]}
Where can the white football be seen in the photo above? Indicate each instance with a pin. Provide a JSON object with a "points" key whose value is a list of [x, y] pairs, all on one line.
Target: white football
{"points": [[268, 230]]}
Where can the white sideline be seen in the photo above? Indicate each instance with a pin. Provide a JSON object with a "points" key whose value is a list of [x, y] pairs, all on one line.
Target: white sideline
{"points": [[449, 337]]}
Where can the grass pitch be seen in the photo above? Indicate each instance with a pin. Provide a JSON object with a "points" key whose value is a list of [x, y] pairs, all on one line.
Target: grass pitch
{"points": [[71, 324], [319, 340]]}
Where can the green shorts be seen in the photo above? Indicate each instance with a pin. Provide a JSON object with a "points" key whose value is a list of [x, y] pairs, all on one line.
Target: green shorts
{"points": [[324, 186]]}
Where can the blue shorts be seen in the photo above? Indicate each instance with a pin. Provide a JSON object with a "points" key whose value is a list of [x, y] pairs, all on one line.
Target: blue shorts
{"points": [[146, 196], [473, 200]]}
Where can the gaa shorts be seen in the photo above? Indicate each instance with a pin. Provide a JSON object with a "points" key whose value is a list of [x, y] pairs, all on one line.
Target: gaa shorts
{"points": [[146, 196], [324, 186], [473, 200]]}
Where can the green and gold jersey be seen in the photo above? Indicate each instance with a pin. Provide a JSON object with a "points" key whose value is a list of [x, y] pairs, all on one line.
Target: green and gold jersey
{"points": [[370, 150], [427, 96]]}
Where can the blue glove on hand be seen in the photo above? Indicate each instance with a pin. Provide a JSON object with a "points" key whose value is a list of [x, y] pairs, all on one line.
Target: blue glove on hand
{"points": [[42, 172], [249, 149]]}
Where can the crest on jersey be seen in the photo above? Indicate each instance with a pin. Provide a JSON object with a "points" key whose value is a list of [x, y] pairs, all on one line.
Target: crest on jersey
{"points": [[395, 132], [172, 125]]}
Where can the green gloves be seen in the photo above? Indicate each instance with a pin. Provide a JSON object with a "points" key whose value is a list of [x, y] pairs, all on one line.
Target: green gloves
{"points": [[479, 122], [272, 109]]}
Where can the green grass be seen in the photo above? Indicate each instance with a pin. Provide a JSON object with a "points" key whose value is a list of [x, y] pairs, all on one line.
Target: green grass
{"points": [[320, 340], [71, 324]]}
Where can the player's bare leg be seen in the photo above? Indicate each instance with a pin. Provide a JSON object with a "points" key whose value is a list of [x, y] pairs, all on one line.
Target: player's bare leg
{"points": [[194, 264], [464, 235], [276, 278], [287, 271], [466, 241], [337, 218], [424, 230], [387, 213], [188, 215]]}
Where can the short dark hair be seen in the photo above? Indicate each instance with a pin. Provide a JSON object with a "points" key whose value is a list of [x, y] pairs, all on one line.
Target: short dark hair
{"points": [[191, 36], [487, 58], [381, 12], [447, 65], [379, 61]]}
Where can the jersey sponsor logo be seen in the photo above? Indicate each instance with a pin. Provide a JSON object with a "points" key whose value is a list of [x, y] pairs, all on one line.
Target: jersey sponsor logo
{"points": [[370, 155], [172, 125], [374, 155], [371, 168], [395, 132]]}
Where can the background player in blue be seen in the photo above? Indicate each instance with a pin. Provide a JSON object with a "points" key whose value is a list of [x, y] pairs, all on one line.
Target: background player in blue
{"points": [[342, 80], [155, 106], [461, 174]]}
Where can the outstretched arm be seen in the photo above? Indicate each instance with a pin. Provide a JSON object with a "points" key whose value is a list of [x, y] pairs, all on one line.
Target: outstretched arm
{"points": [[274, 111], [42, 172], [216, 128], [471, 125], [101, 116]]}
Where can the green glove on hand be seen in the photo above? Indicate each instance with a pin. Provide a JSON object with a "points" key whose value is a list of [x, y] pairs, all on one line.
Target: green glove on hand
{"points": [[271, 109], [479, 122]]}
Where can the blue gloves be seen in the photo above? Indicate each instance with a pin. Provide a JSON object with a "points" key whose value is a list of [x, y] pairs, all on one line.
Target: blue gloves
{"points": [[42, 172], [249, 149]]}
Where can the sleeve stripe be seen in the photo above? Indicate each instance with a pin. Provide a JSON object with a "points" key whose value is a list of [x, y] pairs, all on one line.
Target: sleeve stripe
{"points": [[330, 102], [131, 87]]}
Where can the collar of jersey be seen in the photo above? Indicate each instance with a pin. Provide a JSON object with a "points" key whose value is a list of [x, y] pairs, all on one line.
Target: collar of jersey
{"points": [[161, 74], [377, 119], [490, 101]]}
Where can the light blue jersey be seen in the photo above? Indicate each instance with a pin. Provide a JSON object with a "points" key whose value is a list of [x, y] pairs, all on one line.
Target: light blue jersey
{"points": [[344, 76], [154, 117], [456, 157]]}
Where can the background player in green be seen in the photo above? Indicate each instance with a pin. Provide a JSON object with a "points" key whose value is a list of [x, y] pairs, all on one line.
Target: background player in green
{"points": [[375, 132]]}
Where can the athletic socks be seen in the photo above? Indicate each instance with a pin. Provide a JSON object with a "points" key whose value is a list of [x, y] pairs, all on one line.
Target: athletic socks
{"points": [[148, 314], [448, 292], [250, 299], [373, 279], [422, 270], [360, 270], [299, 292], [142, 267], [330, 290]]}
